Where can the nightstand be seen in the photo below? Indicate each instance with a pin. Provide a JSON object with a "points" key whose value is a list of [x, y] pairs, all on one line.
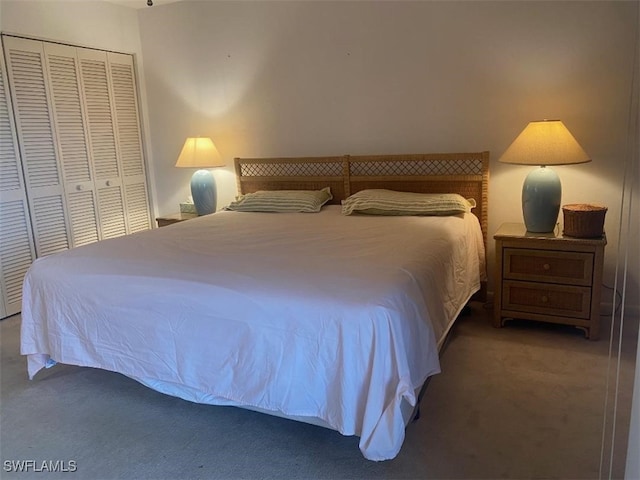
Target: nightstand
{"points": [[174, 218], [548, 277]]}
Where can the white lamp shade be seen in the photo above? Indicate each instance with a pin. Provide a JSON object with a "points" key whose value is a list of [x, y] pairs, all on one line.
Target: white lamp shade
{"points": [[545, 142], [199, 152]]}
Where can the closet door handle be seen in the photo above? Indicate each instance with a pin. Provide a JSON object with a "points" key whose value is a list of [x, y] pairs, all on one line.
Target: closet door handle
{"points": [[108, 183], [79, 188]]}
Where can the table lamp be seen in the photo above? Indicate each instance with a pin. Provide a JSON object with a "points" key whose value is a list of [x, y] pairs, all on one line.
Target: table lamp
{"points": [[201, 153], [543, 143]]}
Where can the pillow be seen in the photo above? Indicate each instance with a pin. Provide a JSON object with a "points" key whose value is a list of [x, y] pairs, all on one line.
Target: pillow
{"points": [[282, 201], [390, 202]]}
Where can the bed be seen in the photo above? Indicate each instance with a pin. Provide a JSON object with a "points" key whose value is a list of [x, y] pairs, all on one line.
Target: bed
{"points": [[331, 319]]}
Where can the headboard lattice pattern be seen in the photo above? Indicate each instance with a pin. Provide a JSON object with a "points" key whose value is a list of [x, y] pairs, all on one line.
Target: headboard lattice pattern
{"points": [[292, 169], [418, 167]]}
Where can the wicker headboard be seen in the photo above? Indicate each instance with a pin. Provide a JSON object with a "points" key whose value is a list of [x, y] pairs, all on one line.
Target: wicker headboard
{"points": [[463, 173]]}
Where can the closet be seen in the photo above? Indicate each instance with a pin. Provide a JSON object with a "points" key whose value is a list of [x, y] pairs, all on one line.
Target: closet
{"points": [[16, 239], [74, 171]]}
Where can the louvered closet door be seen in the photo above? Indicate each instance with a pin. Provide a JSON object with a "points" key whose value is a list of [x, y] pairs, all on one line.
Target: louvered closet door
{"points": [[72, 136], [36, 136], [102, 137], [129, 143], [16, 243]]}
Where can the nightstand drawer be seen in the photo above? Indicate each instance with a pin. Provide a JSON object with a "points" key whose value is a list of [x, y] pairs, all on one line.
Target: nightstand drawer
{"points": [[573, 268], [548, 277], [546, 299]]}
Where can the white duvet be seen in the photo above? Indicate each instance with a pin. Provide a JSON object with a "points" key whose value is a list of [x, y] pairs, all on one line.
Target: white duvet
{"points": [[321, 316]]}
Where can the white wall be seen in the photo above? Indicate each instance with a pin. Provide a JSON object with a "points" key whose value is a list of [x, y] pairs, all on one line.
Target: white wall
{"points": [[313, 78], [88, 23]]}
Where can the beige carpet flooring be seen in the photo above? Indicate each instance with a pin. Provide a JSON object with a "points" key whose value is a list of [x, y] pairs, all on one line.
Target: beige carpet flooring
{"points": [[525, 401]]}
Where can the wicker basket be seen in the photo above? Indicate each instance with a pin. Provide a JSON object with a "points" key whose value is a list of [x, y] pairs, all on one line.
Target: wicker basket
{"points": [[584, 220]]}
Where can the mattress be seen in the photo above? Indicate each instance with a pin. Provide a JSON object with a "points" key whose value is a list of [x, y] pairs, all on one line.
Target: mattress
{"points": [[320, 316]]}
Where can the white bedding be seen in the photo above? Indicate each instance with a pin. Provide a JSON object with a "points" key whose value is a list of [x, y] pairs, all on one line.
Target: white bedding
{"points": [[323, 316]]}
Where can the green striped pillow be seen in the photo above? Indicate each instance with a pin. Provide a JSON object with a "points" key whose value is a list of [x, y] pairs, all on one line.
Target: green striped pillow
{"points": [[310, 201], [390, 202]]}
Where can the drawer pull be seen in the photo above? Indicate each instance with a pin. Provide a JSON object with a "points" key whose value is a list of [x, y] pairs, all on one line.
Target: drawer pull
{"points": [[544, 299], [546, 266]]}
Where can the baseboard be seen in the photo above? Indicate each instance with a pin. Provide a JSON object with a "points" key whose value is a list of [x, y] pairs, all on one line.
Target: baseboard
{"points": [[629, 310], [490, 297]]}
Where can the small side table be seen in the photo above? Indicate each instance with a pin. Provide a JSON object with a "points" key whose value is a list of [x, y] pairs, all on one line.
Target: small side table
{"points": [[548, 277], [174, 218]]}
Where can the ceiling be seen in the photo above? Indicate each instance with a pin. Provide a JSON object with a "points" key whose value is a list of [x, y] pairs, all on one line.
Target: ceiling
{"points": [[140, 3]]}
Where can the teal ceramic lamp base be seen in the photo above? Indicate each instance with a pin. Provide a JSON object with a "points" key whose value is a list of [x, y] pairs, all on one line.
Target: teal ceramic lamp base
{"points": [[203, 191], [541, 196]]}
